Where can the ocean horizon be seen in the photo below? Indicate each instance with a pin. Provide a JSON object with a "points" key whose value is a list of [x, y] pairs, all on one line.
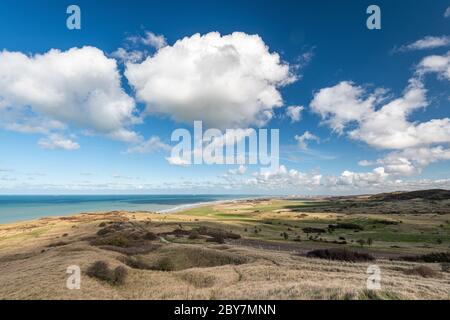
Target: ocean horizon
{"points": [[16, 208]]}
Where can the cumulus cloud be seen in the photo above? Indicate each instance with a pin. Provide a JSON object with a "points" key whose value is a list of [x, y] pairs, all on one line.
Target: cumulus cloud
{"points": [[226, 81], [428, 42], [55, 141], [383, 124], [151, 145], [388, 126], [295, 113], [411, 160], [302, 141], [342, 104], [436, 64], [79, 87]]}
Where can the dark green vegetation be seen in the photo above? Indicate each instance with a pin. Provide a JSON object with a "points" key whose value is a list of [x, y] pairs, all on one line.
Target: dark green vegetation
{"points": [[101, 270], [340, 255]]}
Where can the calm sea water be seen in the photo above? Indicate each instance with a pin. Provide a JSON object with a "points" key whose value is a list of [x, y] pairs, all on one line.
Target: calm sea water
{"points": [[26, 207]]}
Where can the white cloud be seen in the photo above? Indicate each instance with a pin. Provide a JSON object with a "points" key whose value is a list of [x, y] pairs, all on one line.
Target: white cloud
{"points": [[447, 12], [79, 87], [436, 64], [153, 40], [239, 171], [302, 140], [365, 163], [151, 145], [294, 113], [149, 39], [124, 55], [284, 178], [386, 127], [412, 160], [55, 141], [226, 81], [360, 179], [342, 104], [177, 161], [428, 42]]}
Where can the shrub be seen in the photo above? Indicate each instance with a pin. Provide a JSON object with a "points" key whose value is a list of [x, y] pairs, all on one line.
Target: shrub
{"points": [[218, 238], [164, 264], [104, 231], [119, 275], [423, 271], [136, 263], [150, 236], [102, 225], [313, 230], [194, 235], [430, 257], [349, 226], [101, 271], [57, 244], [340, 255], [117, 240], [212, 232]]}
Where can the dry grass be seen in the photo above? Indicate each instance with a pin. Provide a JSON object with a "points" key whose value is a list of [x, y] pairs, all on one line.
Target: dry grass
{"points": [[32, 268]]}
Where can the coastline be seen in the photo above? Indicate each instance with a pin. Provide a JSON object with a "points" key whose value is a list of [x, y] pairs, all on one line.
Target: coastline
{"points": [[174, 209]]}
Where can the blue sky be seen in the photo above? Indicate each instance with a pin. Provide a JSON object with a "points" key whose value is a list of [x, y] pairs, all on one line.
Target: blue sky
{"points": [[96, 116]]}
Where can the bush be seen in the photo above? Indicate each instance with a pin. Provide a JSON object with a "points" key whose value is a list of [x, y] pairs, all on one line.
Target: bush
{"points": [[150, 236], [213, 232], [423, 271], [136, 263], [164, 264], [194, 235], [340, 255], [101, 270], [117, 240], [218, 238], [430, 257], [348, 226], [313, 230], [119, 275], [104, 231]]}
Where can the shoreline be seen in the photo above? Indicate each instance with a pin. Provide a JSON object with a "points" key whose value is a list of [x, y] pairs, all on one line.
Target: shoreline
{"points": [[175, 209]]}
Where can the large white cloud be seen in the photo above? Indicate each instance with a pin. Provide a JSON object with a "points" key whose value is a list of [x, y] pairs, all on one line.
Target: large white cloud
{"points": [[342, 104], [385, 127], [79, 87], [226, 81]]}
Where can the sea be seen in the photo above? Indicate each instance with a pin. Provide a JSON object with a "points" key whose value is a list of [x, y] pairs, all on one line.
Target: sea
{"points": [[15, 208]]}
